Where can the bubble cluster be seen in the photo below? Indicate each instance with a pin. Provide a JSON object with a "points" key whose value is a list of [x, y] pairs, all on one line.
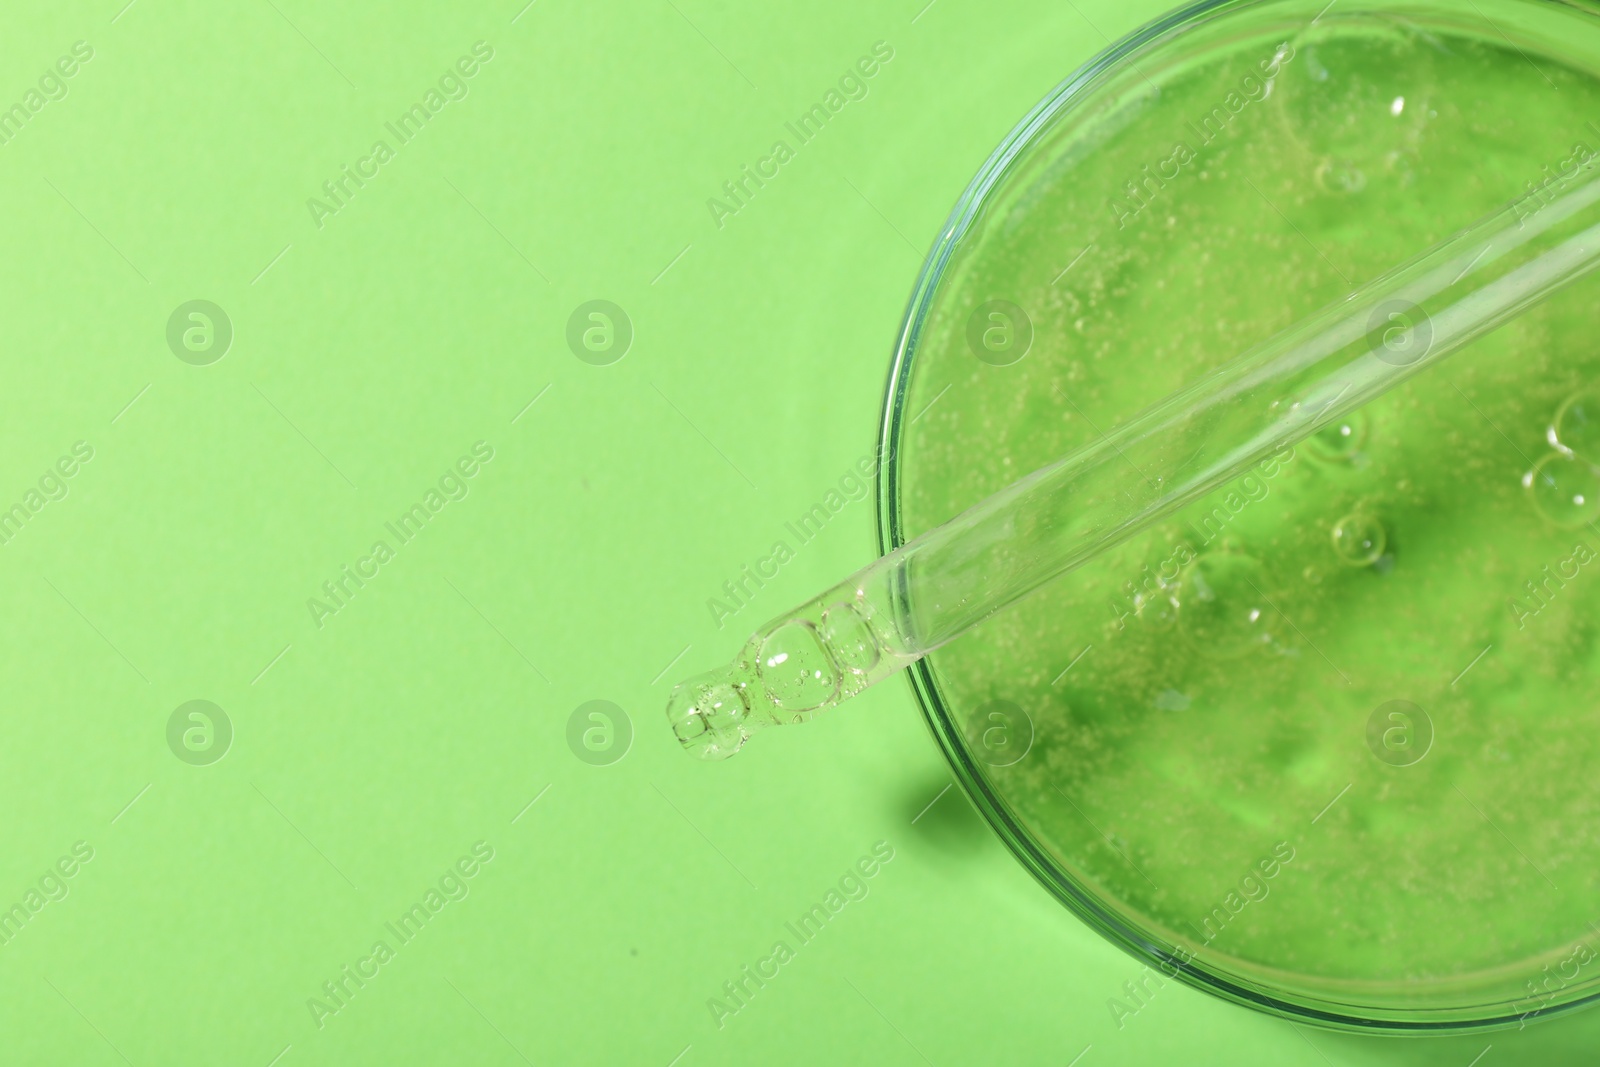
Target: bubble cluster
{"points": [[1564, 485]]}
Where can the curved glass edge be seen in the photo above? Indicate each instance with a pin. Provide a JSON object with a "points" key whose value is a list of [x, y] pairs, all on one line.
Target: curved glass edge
{"points": [[924, 684]]}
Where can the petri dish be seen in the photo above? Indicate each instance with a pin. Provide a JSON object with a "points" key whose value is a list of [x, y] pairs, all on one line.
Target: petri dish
{"points": [[1323, 743]]}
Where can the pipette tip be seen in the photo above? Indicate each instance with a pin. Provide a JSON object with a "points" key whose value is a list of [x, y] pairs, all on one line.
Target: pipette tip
{"points": [[711, 715]]}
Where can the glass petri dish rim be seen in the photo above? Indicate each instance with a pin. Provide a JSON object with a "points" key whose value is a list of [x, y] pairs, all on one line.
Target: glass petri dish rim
{"points": [[1083, 903]]}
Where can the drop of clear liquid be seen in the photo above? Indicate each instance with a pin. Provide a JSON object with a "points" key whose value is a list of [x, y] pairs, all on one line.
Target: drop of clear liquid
{"points": [[1359, 540], [1564, 489], [1576, 427], [1341, 176], [1359, 103]]}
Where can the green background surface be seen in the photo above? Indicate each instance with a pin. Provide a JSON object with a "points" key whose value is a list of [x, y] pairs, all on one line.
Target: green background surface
{"points": [[372, 751]]}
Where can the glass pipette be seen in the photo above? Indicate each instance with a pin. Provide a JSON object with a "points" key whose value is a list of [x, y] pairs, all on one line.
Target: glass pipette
{"points": [[935, 587]]}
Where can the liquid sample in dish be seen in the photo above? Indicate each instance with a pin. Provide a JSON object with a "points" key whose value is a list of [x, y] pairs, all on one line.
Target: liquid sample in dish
{"points": [[1334, 725]]}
